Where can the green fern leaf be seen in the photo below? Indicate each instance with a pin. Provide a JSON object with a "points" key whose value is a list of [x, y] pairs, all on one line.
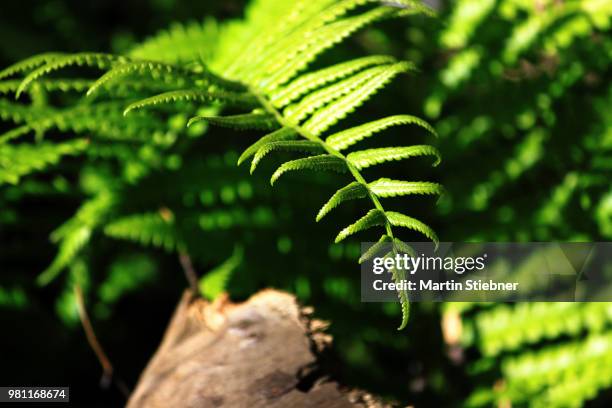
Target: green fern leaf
{"points": [[331, 114], [195, 95], [75, 233], [179, 43], [17, 161], [305, 146], [400, 220], [385, 187], [373, 250], [99, 60], [370, 157], [321, 162], [398, 276], [306, 83], [147, 229], [260, 121], [353, 191], [29, 64], [281, 134], [281, 69], [373, 218], [349, 137], [215, 281], [62, 85], [297, 112]]}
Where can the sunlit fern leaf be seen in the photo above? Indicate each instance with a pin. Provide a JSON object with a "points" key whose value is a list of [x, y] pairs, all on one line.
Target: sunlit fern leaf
{"points": [[19, 160], [373, 218], [322, 162], [29, 64], [179, 43], [305, 146], [148, 229], [281, 134], [329, 115], [385, 187], [375, 248], [260, 121], [353, 191], [98, 60], [400, 220], [298, 111], [196, 95], [349, 137], [306, 83], [370, 157], [74, 234], [277, 72]]}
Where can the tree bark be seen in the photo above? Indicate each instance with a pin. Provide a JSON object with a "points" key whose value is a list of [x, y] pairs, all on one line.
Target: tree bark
{"points": [[260, 353]]}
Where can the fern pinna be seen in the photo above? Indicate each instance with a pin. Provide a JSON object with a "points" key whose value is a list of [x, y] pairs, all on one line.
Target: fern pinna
{"points": [[268, 82]]}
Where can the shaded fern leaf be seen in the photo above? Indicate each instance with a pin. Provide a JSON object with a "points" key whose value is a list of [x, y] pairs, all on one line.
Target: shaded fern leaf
{"points": [[321, 162], [147, 229], [305, 146], [195, 95], [385, 187], [375, 248], [353, 191], [281, 134], [17, 161], [373, 218], [259, 121], [366, 158], [29, 64], [215, 281], [349, 137], [75, 233], [98, 60]]}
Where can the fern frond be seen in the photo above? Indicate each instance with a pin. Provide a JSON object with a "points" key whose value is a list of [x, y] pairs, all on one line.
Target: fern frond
{"points": [[279, 135], [353, 191], [370, 157], [195, 95], [17, 161], [305, 146], [400, 220], [98, 60], [373, 218], [147, 229], [331, 114], [385, 187], [260, 121], [62, 85], [349, 137], [297, 112], [321, 162], [306, 83], [29, 64]]}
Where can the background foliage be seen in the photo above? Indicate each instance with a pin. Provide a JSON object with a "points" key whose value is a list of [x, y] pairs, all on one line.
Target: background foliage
{"points": [[519, 93]]}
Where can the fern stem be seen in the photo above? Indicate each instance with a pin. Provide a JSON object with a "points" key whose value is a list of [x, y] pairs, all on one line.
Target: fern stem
{"points": [[310, 136]]}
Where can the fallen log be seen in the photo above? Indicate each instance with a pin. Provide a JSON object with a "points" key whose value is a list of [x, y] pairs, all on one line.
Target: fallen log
{"points": [[260, 353]]}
